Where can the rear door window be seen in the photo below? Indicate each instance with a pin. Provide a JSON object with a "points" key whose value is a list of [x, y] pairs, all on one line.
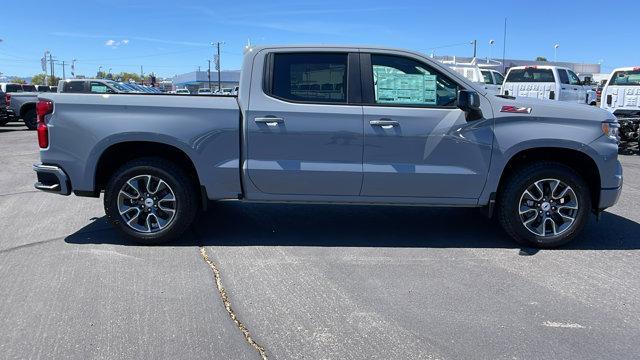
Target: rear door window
{"points": [[564, 78], [74, 87], [530, 75], [313, 78]]}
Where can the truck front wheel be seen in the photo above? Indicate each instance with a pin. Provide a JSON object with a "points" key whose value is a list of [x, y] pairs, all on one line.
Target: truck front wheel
{"points": [[151, 200], [544, 205]]}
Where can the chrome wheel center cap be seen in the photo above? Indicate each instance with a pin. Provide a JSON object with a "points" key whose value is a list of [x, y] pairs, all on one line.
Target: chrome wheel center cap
{"points": [[545, 206], [148, 202]]}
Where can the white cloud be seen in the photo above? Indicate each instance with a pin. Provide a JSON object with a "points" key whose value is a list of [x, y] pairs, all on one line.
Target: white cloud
{"points": [[114, 44]]}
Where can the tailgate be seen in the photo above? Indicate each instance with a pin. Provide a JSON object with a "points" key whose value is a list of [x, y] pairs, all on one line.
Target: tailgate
{"points": [[531, 90]]}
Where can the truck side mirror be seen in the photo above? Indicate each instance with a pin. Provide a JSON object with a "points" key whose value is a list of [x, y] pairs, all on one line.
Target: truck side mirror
{"points": [[469, 102]]}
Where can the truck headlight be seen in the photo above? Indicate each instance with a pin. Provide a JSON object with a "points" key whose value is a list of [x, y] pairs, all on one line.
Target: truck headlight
{"points": [[610, 129]]}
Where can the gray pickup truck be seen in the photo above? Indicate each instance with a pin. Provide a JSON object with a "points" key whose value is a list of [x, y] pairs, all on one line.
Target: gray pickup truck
{"points": [[349, 125], [20, 103]]}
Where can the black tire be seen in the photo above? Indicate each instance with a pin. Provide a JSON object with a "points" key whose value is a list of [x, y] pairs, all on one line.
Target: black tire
{"points": [[31, 119], [523, 178], [183, 187]]}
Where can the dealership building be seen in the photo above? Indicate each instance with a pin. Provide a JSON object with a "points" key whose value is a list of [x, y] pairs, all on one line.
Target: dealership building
{"points": [[200, 79]]}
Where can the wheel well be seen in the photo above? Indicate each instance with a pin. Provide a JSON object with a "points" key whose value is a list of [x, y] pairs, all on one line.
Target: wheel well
{"points": [[118, 154], [25, 108], [577, 160]]}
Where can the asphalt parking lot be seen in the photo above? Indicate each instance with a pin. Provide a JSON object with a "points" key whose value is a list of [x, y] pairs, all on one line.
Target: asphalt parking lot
{"points": [[308, 281]]}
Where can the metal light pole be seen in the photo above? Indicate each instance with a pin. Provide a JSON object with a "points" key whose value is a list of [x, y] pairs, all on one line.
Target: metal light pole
{"points": [[209, 73], [217, 62], [555, 52], [64, 75], [475, 46], [99, 70]]}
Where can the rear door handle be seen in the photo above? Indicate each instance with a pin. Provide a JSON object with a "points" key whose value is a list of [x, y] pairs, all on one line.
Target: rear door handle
{"points": [[269, 120], [384, 123]]}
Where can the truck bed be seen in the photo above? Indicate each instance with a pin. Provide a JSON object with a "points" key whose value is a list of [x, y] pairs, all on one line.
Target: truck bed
{"points": [[205, 128]]}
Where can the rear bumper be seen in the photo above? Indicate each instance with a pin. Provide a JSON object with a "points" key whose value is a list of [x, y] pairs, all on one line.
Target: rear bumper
{"points": [[52, 179]]}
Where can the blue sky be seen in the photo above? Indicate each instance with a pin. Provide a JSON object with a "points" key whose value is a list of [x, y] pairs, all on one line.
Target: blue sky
{"points": [[173, 37]]}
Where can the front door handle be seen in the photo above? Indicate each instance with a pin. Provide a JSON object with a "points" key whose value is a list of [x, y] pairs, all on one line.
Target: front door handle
{"points": [[269, 120], [384, 123]]}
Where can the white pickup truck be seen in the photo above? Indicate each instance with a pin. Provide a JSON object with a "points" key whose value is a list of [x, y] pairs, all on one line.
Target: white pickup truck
{"points": [[621, 97], [546, 82], [489, 79]]}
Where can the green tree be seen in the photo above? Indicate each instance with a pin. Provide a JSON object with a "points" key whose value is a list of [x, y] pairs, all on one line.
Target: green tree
{"points": [[18, 81], [541, 58], [126, 76], [39, 79]]}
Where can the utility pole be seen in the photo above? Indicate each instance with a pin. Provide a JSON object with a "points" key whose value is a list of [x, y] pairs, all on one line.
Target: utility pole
{"points": [[504, 46], [141, 75], [209, 73], [64, 75], [217, 62], [51, 65], [475, 47]]}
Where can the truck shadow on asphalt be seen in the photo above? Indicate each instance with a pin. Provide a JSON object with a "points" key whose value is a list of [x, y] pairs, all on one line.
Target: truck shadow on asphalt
{"points": [[242, 224]]}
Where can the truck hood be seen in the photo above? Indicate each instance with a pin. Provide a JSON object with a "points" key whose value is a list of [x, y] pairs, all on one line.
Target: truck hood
{"points": [[549, 109]]}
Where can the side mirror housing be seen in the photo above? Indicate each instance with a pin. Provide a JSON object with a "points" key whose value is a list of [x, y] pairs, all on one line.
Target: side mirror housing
{"points": [[469, 102]]}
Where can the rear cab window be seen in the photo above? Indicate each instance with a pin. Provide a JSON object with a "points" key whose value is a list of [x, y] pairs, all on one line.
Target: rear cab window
{"points": [[29, 88], [309, 77], [402, 81], [13, 88], [531, 74], [626, 78]]}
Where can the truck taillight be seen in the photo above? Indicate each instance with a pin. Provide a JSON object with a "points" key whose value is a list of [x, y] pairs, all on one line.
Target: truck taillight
{"points": [[43, 107], [7, 98]]}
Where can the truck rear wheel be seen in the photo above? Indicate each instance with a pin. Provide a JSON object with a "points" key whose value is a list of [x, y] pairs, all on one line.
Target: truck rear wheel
{"points": [[151, 200], [544, 205], [31, 119]]}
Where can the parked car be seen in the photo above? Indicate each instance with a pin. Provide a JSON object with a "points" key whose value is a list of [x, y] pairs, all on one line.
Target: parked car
{"points": [[91, 86], [334, 125], [621, 97], [204, 91], [544, 82], [21, 102], [183, 91]]}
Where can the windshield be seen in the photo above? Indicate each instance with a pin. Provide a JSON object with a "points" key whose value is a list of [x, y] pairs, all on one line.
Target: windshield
{"points": [[530, 75], [626, 78]]}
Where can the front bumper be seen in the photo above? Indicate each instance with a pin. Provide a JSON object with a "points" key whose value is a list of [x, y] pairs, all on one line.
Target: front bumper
{"points": [[52, 179], [609, 196]]}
